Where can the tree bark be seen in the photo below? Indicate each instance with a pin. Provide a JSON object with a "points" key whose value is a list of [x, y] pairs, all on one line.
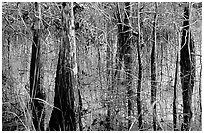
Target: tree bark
{"points": [[119, 54], [187, 63], [153, 70], [200, 96], [36, 90], [109, 78], [8, 47], [127, 51], [139, 75], [175, 97], [63, 114], [80, 109], [124, 52]]}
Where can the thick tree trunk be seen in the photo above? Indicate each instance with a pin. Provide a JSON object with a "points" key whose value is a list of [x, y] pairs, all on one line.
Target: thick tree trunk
{"points": [[124, 52], [175, 97], [63, 114], [187, 63], [36, 90], [153, 71]]}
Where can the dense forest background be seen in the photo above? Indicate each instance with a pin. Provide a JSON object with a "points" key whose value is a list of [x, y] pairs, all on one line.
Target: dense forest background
{"points": [[101, 66]]}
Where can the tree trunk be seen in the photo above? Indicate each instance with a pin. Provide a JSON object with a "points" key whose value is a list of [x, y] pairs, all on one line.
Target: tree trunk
{"points": [[153, 71], [79, 110], [187, 63], [63, 114], [119, 54], [36, 90], [124, 52], [200, 96], [8, 47], [109, 78], [139, 75], [175, 97], [128, 58]]}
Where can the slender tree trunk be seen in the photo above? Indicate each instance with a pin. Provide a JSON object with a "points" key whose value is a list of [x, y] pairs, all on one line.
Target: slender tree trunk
{"points": [[119, 54], [109, 89], [161, 73], [99, 66], [8, 47], [175, 97], [200, 96], [128, 58], [79, 110], [187, 63], [36, 90], [139, 75], [80, 103], [154, 71], [63, 114], [108, 66]]}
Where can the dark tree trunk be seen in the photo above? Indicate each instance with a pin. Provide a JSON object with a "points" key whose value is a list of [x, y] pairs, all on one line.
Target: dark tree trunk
{"points": [[8, 47], [153, 71], [124, 52], [187, 63], [109, 89], [127, 51], [63, 114], [79, 110], [80, 104], [119, 54], [139, 89], [109, 78], [139, 75], [175, 97], [36, 90]]}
